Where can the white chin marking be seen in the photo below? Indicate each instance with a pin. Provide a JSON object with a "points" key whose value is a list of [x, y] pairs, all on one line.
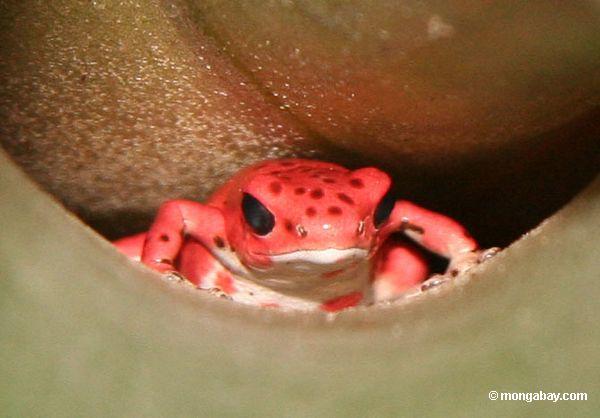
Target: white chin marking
{"points": [[301, 272], [330, 256]]}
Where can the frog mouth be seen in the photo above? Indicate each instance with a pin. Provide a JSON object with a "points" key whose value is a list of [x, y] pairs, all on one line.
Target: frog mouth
{"points": [[323, 259]]}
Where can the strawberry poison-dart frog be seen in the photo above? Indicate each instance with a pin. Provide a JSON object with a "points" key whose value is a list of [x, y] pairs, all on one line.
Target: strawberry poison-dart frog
{"points": [[301, 234]]}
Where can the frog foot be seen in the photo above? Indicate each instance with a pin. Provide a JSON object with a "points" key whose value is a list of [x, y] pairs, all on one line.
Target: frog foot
{"points": [[435, 281], [458, 266], [219, 293], [485, 255], [174, 276], [466, 261]]}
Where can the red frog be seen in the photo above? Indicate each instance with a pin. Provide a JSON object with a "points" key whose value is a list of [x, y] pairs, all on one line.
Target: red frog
{"points": [[301, 234]]}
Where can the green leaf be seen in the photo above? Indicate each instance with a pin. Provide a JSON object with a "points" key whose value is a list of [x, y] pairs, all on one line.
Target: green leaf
{"points": [[86, 332]]}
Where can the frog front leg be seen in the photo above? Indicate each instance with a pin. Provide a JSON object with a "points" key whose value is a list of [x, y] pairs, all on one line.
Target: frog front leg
{"points": [[176, 221], [437, 233], [398, 266]]}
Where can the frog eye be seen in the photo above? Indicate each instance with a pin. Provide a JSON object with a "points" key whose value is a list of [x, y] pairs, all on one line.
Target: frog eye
{"points": [[257, 215], [384, 209]]}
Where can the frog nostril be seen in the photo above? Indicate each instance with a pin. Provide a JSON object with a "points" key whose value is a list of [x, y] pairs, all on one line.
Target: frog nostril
{"points": [[301, 231], [361, 228]]}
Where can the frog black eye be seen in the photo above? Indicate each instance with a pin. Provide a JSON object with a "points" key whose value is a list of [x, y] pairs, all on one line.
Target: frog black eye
{"points": [[257, 215], [384, 209]]}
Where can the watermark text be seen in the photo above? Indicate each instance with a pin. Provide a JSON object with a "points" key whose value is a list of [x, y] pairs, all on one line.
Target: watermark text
{"points": [[528, 397]]}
